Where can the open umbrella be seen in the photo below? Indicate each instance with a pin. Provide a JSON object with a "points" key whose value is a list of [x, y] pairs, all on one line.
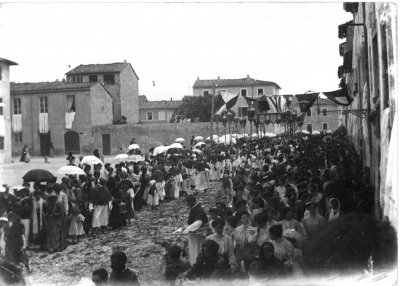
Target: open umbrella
{"points": [[198, 138], [121, 158], [268, 134], [228, 139], [39, 175], [176, 145], [315, 132], [196, 151], [159, 150], [91, 160], [71, 170], [200, 144], [305, 132], [179, 140], [135, 158], [133, 146]]}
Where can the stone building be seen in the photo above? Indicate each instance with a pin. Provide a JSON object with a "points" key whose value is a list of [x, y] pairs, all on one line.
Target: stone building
{"points": [[369, 74], [243, 86], [120, 80], [157, 111], [5, 117], [58, 112], [323, 116]]}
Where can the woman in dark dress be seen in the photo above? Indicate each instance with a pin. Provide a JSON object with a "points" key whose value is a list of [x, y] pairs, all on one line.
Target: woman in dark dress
{"points": [[13, 237], [24, 153], [56, 225]]}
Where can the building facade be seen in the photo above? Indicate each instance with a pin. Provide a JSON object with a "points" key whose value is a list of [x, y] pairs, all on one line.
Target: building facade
{"points": [[5, 116], [152, 112], [244, 87], [369, 72], [120, 80], [322, 116], [58, 112]]}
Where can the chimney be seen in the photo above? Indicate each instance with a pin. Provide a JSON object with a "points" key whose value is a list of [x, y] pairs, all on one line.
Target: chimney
{"points": [[248, 76], [198, 78], [218, 77], [171, 98], [124, 61]]}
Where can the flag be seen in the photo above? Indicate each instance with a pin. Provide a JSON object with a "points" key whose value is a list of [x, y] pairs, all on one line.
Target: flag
{"points": [[340, 96], [306, 100]]}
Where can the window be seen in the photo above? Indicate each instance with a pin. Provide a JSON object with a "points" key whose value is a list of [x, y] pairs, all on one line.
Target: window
{"points": [[324, 112], [93, 78], [325, 126], [161, 115], [18, 137], [206, 92], [243, 92], [1, 143], [109, 79], [43, 105], [242, 111], [1, 73], [1, 106], [309, 127], [77, 79], [260, 91], [149, 115], [309, 112], [17, 106], [70, 103]]}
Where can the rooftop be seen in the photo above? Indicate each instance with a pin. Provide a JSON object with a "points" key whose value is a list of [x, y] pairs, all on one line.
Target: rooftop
{"points": [[100, 68], [247, 81], [8, 62], [41, 86]]}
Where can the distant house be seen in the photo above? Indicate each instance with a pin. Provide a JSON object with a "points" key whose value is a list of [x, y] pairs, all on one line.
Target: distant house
{"points": [[59, 112], [5, 118], [242, 86], [322, 116], [157, 111], [120, 80]]}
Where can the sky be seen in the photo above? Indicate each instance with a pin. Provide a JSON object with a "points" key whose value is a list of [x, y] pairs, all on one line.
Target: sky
{"points": [[295, 45]]}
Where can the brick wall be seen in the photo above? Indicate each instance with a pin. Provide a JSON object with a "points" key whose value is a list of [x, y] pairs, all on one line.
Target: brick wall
{"points": [[129, 93], [147, 135], [101, 103], [5, 155]]}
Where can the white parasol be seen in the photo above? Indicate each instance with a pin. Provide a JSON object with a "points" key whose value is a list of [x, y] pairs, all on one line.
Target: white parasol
{"points": [[133, 146], [71, 170], [179, 140], [91, 160]]}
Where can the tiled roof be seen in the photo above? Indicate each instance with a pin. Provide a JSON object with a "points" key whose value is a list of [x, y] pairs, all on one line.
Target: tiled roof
{"points": [[99, 68], [8, 62], [162, 104], [210, 83], [41, 86]]}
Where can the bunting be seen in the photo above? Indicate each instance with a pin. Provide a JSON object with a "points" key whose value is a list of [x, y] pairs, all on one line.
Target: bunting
{"points": [[306, 100], [340, 96]]}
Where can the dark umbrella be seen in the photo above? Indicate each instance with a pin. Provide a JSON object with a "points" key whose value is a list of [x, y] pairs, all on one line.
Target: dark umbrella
{"points": [[39, 175], [173, 151]]}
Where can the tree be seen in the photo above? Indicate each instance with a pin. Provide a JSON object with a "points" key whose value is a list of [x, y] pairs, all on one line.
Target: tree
{"points": [[199, 107]]}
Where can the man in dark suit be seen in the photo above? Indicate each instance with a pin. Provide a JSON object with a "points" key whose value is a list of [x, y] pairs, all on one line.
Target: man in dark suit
{"points": [[121, 275]]}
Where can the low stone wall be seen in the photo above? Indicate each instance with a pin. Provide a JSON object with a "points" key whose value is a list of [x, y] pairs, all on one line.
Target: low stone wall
{"points": [[147, 135]]}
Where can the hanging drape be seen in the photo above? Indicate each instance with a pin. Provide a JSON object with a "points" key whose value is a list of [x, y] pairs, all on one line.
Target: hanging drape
{"points": [[17, 123], [43, 122], [69, 118], [2, 126]]}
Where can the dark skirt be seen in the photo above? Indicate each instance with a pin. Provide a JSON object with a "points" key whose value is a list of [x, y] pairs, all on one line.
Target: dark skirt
{"points": [[56, 234], [117, 215]]}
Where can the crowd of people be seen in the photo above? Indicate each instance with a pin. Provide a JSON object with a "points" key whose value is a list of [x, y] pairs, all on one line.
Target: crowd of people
{"points": [[279, 197]]}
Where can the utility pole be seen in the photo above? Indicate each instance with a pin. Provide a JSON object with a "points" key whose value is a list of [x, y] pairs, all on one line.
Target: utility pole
{"points": [[212, 111]]}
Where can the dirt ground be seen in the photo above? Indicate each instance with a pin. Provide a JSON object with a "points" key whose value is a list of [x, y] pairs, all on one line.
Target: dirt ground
{"points": [[141, 239]]}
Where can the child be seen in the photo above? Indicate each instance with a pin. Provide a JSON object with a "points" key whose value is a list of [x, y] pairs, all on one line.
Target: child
{"points": [[152, 197], [76, 226], [227, 185]]}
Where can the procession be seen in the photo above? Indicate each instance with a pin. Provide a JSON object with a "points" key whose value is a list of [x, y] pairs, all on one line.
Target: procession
{"points": [[276, 201], [199, 143]]}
